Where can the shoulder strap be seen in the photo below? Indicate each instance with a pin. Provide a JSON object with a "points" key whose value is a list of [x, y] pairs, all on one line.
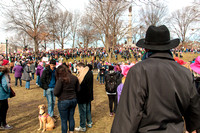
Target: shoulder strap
{"points": [[1, 79]]}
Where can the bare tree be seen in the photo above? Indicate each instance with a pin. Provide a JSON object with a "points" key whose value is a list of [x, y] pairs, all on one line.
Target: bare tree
{"points": [[196, 29], [62, 26], [52, 17], [153, 13], [87, 32], [106, 17], [138, 32], [74, 26], [44, 37], [28, 16], [20, 39], [183, 21]]}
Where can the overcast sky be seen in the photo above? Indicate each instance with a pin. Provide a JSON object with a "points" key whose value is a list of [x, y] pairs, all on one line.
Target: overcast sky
{"points": [[73, 5]]}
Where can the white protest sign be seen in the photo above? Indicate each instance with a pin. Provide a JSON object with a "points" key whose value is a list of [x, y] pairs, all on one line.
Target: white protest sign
{"points": [[45, 59]]}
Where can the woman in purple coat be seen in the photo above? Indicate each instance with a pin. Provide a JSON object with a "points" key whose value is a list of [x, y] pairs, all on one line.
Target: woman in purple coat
{"points": [[125, 69], [38, 73], [18, 73]]}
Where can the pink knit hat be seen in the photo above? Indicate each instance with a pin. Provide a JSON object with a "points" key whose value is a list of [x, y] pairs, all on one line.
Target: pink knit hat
{"points": [[125, 69], [196, 65], [5, 62], [41, 63]]}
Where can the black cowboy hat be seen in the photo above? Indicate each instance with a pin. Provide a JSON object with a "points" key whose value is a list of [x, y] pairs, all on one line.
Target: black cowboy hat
{"points": [[158, 38]]}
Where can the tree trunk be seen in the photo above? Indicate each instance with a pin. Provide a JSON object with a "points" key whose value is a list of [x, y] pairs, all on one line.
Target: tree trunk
{"points": [[36, 46], [62, 45], [24, 43], [54, 45], [108, 48], [73, 40], [45, 45]]}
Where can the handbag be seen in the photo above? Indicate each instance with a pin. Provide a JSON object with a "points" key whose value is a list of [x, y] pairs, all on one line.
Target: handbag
{"points": [[12, 93]]}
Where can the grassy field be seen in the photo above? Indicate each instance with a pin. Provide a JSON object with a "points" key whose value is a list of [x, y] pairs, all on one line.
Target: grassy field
{"points": [[186, 57], [23, 109]]}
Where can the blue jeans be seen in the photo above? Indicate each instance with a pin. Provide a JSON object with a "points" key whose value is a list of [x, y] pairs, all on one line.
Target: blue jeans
{"points": [[32, 75], [66, 109], [85, 114], [27, 85], [102, 79], [98, 75], [38, 80], [51, 101]]}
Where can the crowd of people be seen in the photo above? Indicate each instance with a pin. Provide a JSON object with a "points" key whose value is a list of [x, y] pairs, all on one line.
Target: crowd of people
{"points": [[154, 95]]}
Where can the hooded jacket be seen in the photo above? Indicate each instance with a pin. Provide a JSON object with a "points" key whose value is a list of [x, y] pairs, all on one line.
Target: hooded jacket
{"points": [[157, 94], [46, 78]]}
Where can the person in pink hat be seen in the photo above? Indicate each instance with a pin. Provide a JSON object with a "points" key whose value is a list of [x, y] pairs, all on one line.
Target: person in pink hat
{"points": [[125, 69], [195, 67]]}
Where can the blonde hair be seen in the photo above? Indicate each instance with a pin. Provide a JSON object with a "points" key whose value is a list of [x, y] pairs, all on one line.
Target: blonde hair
{"points": [[123, 80], [187, 65]]}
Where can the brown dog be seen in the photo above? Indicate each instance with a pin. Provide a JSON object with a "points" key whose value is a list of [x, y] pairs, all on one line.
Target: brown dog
{"points": [[45, 119]]}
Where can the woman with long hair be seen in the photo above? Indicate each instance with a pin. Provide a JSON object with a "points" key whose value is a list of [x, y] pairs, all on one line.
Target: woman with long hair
{"points": [[67, 86]]}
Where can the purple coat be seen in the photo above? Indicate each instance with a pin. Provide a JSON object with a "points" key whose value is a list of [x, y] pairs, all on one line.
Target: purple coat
{"points": [[119, 91], [18, 71], [39, 69], [41, 72]]}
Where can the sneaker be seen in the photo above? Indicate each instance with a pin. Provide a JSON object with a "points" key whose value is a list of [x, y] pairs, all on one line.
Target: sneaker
{"points": [[80, 129], [1, 127], [89, 125], [7, 127], [111, 114]]}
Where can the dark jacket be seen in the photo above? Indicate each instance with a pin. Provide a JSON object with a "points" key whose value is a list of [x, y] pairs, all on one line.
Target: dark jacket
{"points": [[67, 91], [32, 68], [157, 94], [45, 78], [26, 74], [85, 94]]}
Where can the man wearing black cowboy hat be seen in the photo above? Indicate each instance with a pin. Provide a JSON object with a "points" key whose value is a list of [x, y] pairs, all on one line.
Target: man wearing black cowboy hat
{"points": [[158, 92]]}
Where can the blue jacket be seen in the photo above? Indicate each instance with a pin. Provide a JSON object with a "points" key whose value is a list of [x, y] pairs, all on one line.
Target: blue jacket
{"points": [[99, 66], [4, 90]]}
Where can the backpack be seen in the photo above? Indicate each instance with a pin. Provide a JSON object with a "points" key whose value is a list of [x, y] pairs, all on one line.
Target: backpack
{"points": [[111, 83], [102, 72], [1, 79]]}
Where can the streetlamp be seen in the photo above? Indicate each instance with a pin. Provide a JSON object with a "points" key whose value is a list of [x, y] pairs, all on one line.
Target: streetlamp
{"points": [[6, 49]]}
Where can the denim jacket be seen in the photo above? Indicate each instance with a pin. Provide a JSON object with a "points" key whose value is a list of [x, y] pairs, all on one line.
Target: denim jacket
{"points": [[4, 90]]}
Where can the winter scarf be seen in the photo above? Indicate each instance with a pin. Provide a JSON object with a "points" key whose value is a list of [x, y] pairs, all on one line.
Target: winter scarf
{"points": [[82, 74]]}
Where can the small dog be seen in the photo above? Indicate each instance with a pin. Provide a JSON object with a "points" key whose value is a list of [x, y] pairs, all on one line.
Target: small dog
{"points": [[45, 119]]}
